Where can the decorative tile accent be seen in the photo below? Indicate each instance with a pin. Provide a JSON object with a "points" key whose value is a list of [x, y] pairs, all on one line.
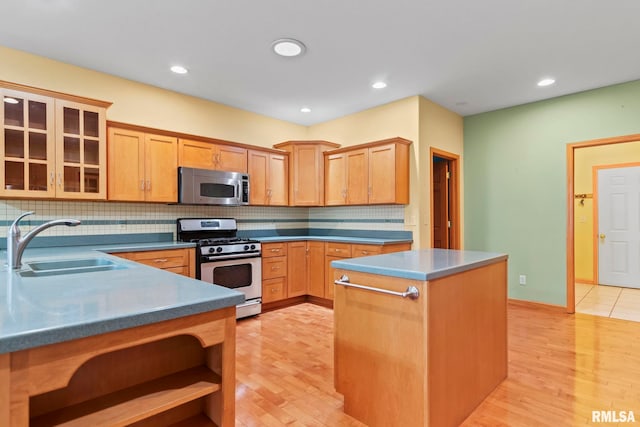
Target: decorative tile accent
{"points": [[102, 218]]}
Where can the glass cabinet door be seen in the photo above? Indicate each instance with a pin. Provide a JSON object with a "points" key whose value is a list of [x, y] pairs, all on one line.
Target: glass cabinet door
{"points": [[81, 150], [26, 144]]}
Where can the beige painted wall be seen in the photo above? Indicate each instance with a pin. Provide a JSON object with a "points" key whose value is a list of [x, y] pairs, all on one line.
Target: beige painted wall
{"points": [[444, 130], [584, 161], [146, 105], [399, 118]]}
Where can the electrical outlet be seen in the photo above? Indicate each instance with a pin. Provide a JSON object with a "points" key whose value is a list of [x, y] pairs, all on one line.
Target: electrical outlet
{"points": [[523, 280]]}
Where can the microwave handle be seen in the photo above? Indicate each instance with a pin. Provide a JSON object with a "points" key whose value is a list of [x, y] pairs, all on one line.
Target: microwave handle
{"points": [[239, 192]]}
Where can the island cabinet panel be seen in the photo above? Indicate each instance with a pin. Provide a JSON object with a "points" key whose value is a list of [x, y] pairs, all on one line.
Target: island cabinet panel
{"points": [[209, 155], [161, 374], [180, 261], [142, 166], [442, 353], [269, 178], [306, 167]]}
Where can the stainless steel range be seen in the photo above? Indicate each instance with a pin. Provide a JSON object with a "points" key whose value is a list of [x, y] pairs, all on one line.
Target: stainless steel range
{"points": [[226, 260]]}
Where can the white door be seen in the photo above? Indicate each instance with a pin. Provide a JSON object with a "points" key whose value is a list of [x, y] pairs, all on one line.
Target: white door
{"points": [[619, 227]]}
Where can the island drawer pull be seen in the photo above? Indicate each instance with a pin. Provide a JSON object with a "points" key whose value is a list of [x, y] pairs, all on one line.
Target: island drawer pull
{"points": [[159, 260], [411, 292]]}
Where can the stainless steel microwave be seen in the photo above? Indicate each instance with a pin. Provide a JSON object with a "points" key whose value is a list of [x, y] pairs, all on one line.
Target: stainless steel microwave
{"points": [[210, 187]]}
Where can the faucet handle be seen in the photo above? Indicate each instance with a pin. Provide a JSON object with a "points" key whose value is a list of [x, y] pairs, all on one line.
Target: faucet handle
{"points": [[14, 226]]}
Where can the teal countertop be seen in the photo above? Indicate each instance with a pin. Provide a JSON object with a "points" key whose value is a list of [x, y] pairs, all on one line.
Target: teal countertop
{"points": [[338, 239], [36, 311], [424, 264]]}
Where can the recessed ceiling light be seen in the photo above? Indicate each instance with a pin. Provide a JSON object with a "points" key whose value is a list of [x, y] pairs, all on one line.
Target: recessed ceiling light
{"points": [[288, 47], [379, 85], [9, 100], [305, 110], [179, 69], [546, 82]]}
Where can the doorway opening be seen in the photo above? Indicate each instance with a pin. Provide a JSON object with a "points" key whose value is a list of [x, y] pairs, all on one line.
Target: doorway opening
{"points": [[572, 200], [445, 199]]}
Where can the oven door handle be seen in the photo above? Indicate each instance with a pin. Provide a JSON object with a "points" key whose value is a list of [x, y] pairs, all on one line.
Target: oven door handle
{"points": [[212, 259]]}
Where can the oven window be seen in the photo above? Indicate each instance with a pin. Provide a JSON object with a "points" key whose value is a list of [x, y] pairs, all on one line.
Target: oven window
{"points": [[233, 276], [217, 190]]}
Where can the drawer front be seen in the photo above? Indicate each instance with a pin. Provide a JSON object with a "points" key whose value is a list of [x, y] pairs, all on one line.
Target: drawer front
{"points": [[274, 267], [365, 250], [274, 289], [338, 249], [164, 262], [160, 259], [274, 249]]}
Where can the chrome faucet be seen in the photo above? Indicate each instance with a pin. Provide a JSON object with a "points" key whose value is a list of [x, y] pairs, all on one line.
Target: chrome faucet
{"points": [[16, 245]]}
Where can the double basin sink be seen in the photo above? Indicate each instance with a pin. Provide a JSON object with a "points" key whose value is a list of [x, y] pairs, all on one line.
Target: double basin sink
{"points": [[70, 266]]}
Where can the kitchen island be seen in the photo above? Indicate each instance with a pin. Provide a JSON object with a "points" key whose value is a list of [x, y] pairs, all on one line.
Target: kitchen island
{"points": [[430, 347], [119, 344]]}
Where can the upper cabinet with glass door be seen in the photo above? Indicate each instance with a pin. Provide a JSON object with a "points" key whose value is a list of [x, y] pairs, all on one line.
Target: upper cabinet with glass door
{"points": [[81, 151], [27, 141], [51, 147]]}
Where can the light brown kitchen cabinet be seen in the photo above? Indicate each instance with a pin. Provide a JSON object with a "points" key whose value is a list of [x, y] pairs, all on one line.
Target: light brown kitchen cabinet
{"points": [[373, 173], [297, 253], [209, 155], [315, 268], [306, 166], [269, 178], [274, 272], [51, 147], [179, 261], [142, 166], [347, 177]]}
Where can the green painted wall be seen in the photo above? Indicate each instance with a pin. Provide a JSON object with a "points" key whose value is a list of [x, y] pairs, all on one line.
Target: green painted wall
{"points": [[515, 180]]}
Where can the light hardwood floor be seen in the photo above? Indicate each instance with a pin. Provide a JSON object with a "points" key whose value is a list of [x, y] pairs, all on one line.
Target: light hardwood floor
{"points": [[561, 367]]}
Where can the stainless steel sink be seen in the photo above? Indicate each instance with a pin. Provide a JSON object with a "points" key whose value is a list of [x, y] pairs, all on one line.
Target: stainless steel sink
{"points": [[70, 266]]}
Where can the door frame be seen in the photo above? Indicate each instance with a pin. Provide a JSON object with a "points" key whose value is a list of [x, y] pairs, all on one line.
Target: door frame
{"points": [[571, 147], [596, 228], [454, 200]]}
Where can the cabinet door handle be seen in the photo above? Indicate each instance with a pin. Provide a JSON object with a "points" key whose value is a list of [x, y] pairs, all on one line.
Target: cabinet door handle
{"points": [[142, 185], [52, 177], [412, 292], [148, 185], [59, 180]]}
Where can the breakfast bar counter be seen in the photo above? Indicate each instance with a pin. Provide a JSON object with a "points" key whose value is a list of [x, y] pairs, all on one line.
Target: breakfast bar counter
{"points": [[420, 337]]}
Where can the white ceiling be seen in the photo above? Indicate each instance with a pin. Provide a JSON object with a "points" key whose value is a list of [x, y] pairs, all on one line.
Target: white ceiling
{"points": [[469, 56]]}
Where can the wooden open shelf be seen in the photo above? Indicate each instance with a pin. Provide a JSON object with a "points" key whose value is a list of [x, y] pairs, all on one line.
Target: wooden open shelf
{"points": [[136, 403], [196, 421]]}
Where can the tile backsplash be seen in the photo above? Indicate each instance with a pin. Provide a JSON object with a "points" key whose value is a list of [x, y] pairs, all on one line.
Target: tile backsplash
{"points": [[133, 218]]}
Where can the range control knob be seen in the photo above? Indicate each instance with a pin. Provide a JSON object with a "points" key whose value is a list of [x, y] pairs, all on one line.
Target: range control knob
{"points": [[211, 250], [219, 249], [246, 247], [253, 247]]}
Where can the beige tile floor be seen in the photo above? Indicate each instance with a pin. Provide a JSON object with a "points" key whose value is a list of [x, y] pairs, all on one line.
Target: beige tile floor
{"points": [[608, 301]]}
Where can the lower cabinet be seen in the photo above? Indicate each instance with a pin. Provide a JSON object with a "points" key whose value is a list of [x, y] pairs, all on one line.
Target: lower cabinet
{"points": [[274, 272], [180, 261], [301, 268]]}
